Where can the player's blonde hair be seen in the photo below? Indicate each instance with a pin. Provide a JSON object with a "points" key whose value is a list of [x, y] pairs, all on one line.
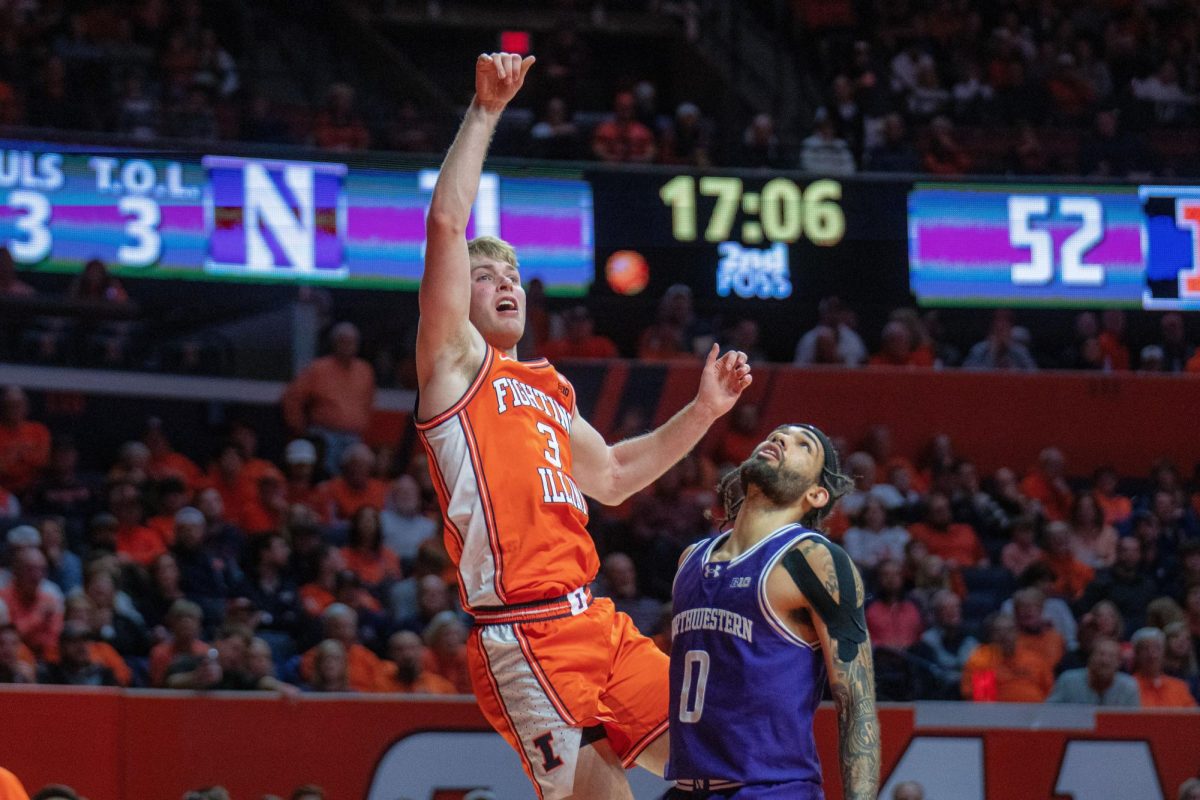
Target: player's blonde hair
{"points": [[492, 248]]}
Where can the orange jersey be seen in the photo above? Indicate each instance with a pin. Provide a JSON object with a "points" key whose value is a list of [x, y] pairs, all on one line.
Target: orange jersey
{"points": [[515, 521]]}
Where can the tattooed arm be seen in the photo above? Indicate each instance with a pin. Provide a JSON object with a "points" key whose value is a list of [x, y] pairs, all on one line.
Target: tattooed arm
{"points": [[847, 648]]}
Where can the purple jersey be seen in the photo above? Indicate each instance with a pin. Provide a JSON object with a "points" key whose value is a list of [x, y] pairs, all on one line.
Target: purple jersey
{"points": [[744, 688]]}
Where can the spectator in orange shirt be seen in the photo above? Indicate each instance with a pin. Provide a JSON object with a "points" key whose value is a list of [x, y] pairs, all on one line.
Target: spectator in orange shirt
{"points": [[265, 513], [1157, 689], [896, 348], [367, 556], [320, 593], [331, 398], [621, 138], [35, 611], [173, 496], [366, 672], [136, 542], [956, 542], [355, 487], [183, 622], [1000, 671], [1034, 631], [24, 445], [74, 665], [407, 652], [446, 638], [242, 434], [81, 610], [1047, 484], [580, 339], [1071, 576], [227, 475], [1116, 508], [1112, 339], [300, 461], [164, 461], [878, 443]]}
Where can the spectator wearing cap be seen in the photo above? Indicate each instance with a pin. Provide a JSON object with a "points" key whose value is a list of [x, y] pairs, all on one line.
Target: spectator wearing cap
{"points": [[165, 462], [1100, 683], [1000, 671], [24, 444], [35, 610], [299, 467], [1155, 687], [833, 318], [184, 623], [446, 640], [137, 543], [404, 526], [580, 340], [621, 138], [365, 671], [366, 555], [75, 666], [64, 568], [355, 487], [331, 398], [407, 653]]}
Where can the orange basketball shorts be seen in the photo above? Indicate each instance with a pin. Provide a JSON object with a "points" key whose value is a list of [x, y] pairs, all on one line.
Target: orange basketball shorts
{"points": [[541, 683]]}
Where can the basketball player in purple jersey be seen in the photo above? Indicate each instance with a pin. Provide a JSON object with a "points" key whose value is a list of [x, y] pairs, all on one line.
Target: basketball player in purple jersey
{"points": [[762, 614]]}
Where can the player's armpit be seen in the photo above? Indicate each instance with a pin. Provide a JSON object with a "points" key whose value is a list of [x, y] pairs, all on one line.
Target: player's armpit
{"points": [[833, 592]]}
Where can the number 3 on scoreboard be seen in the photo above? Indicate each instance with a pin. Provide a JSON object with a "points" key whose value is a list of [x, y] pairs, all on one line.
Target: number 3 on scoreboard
{"points": [[1039, 270]]}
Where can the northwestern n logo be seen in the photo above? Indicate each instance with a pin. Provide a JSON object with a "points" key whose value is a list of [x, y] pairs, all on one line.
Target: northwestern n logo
{"points": [[275, 218]]}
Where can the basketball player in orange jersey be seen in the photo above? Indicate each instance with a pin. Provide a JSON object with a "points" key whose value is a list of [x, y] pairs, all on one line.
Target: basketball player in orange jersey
{"points": [[570, 683]]}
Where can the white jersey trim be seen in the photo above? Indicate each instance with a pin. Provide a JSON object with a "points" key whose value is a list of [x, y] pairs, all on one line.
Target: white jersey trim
{"points": [[764, 603]]}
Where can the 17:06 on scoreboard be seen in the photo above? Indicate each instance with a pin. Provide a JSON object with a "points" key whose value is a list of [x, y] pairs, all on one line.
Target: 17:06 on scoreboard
{"points": [[1053, 245]]}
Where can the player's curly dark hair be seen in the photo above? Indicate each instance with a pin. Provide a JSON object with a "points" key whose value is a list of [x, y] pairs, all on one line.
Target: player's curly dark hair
{"points": [[732, 493]]}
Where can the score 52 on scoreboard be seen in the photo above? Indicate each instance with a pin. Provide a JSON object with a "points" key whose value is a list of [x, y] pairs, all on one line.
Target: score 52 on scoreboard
{"points": [[1055, 245]]}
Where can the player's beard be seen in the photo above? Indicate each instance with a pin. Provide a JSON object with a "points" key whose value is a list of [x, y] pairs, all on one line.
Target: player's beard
{"points": [[780, 485]]}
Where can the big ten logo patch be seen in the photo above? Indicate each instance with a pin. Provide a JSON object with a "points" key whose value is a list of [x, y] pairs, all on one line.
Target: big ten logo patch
{"points": [[275, 218]]}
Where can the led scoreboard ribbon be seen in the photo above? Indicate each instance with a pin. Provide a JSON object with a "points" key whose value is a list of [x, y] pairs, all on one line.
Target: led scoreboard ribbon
{"points": [[1055, 245], [185, 216]]}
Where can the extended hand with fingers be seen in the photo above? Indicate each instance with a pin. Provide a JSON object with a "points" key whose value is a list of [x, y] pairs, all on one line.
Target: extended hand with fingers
{"points": [[723, 380], [498, 78]]}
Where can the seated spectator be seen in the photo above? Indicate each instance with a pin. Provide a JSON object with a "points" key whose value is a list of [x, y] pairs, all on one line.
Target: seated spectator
{"points": [[172, 497], [1035, 633], [871, 539], [927, 98], [1022, 551], [688, 140], [63, 567], [1000, 671], [205, 577], [1093, 541], [1100, 683], [331, 399], [75, 666], [366, 555], [184, 622], [338, 125], [300, 461], [1124, 584], [1071, 576], [330, 668], [355, 487], [225, 667], [33, 608], [132, 461], [61, 489], [895, 152], [264, 513], [1000, 350], [14, 668], [404, 526], [24, 444], [892, 620], [407, 652], [676, 331], [10, 284], [136, 542], [1156, 688], [943, 155], [165, 462], [619, 582], [580, 340], [555, 135], [1115, 508], [1179, 658], [1046, 484], [116, 620], [95, 284], [446, 640], [621, 138], [163, 591], [861, 467], [80, 610], [823, 153], [832, 318], [945, 646], [895, 349], [270, 586], [365, 671], [956, 542], [320, 592], [222, 538], [760, 145], [1055, 610]]}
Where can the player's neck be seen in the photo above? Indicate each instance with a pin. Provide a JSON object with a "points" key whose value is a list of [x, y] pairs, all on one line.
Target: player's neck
{"points": [[757, 519]]}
